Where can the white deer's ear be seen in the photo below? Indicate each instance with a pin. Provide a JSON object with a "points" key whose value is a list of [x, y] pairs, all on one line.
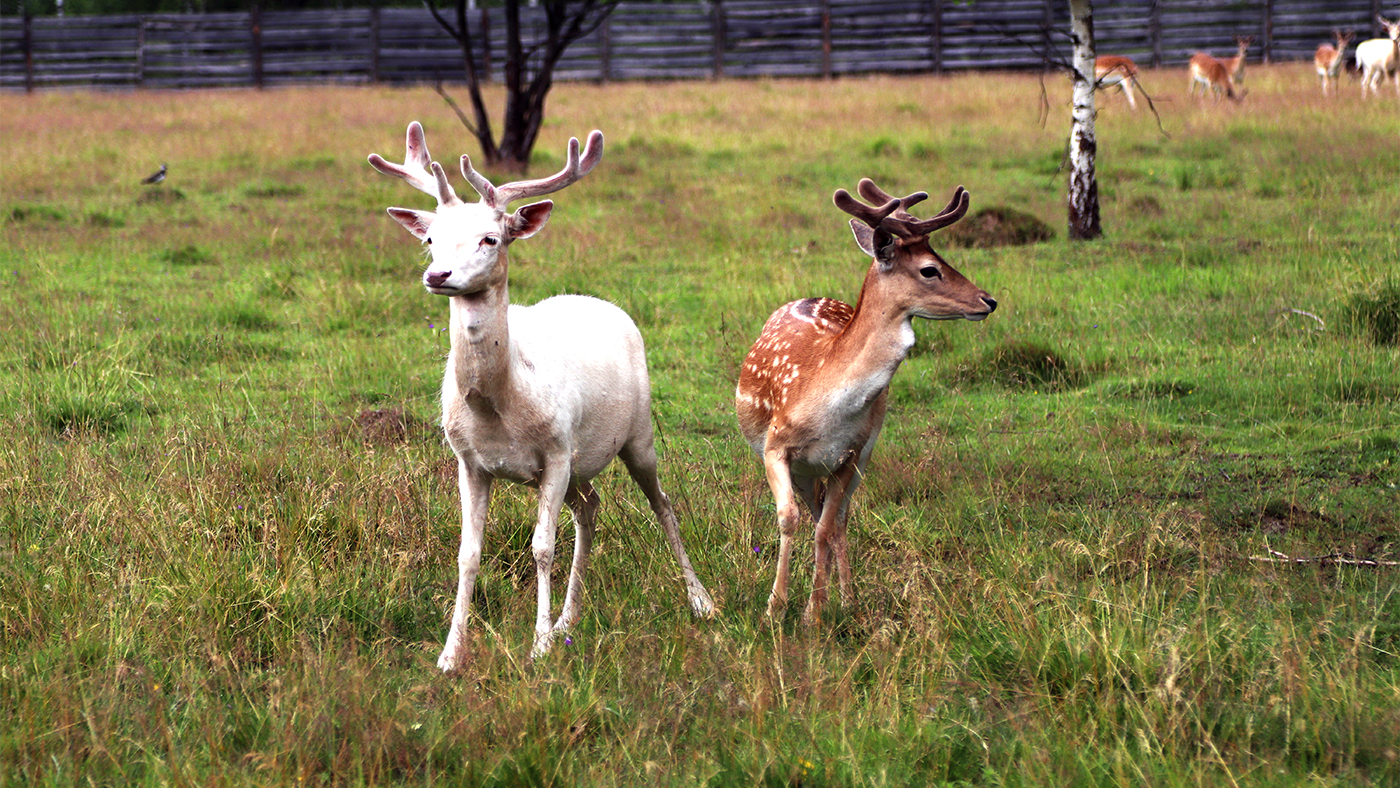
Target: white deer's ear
{"points": [[529, 219], [415, 222]]}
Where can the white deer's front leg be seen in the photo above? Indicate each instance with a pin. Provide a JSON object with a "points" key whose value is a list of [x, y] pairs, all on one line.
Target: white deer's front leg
{"points": [[475, 488], [554, 484]]}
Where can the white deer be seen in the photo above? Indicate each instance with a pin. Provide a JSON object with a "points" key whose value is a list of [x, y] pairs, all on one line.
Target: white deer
{"points": [[812, 391], [1328, 59], [546, 395], [1379, 58]]}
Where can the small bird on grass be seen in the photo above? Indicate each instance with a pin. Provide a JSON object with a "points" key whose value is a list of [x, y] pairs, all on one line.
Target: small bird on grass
{"points": [[156, 177]]}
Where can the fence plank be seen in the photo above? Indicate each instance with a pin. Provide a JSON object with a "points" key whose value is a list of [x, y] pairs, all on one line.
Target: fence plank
{"points": [[641, 40]]}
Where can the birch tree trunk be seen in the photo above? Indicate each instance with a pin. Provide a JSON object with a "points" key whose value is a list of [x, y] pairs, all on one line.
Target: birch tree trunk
{"points": [[1083, 146]]}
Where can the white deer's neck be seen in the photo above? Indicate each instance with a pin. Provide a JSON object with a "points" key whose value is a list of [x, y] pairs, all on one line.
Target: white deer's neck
{"points": [[481, 356]]}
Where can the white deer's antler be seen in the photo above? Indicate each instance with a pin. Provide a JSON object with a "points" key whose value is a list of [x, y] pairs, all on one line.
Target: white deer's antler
{"points": [[575, 168], [418, 168]]}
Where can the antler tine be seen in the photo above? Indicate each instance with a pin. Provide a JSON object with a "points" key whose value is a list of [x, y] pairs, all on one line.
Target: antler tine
{"points": [[575, 168], [875, 194], [953, 211], [869, 214], [415, 167], [478, 181]]}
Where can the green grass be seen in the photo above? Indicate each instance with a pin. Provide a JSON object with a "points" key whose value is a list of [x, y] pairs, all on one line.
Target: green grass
{"points": [[228, 524]]}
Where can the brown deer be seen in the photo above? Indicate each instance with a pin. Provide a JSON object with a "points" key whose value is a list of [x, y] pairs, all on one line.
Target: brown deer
{"points": [[1235, 65], [1328, 59], [1110, 70], [812, 391], [1213, 77]]}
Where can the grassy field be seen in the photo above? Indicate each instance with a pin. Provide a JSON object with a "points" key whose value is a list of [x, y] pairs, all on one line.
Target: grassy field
{"points": [[228, 522]]}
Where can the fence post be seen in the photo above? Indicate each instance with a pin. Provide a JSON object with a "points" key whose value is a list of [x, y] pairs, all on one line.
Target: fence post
{"points": [[374, 43], [140, 51], [1268, 30], [826, 38], [718, 32], [936, 37], [255, 29], [1154, 28], [28, 44], [605, 50]]}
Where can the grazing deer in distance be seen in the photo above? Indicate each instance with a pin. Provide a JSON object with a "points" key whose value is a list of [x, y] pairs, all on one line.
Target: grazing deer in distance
{"points": [[1328, 59], [1379, 58], [1213, 77], [1110, 70], [812, 391], [546, 395]]}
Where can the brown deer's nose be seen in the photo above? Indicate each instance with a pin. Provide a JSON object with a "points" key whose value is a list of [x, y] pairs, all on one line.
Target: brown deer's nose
{"points": [[991, 303]]}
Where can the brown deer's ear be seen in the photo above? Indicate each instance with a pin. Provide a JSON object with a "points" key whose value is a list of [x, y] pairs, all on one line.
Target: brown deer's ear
{"points": [[864, 234], [529, 219], [875, 243], [415, 222]]}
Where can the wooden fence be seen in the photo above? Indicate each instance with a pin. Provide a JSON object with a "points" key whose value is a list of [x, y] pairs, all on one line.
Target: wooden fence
{"points": [[641, 40]]}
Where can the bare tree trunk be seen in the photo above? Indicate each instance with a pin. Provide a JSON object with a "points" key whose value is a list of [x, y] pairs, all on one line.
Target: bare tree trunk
{"points": [[1083, 146]]}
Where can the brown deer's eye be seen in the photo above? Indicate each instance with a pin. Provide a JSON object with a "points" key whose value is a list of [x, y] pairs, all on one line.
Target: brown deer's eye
{"points": [[930, 272]]}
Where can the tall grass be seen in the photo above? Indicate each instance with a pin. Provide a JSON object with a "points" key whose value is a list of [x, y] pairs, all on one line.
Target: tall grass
{"points": [[228, 522]]}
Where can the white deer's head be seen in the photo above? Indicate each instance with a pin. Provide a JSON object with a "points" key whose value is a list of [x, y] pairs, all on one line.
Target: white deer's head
{"points": [[468, 240]]}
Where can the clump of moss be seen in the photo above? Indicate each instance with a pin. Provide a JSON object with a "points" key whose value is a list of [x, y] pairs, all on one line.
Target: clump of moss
{"points": [[998, 226], [1024, 364], [1375, 314]]}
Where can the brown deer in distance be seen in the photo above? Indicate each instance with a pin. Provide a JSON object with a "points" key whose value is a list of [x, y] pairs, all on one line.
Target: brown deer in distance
{"points": [[1328, 59], [1213, 77], [1235, 65], [812, 391], [1110, 70]]}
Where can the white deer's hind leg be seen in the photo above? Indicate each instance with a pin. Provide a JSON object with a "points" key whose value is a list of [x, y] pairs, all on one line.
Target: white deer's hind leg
{"points": [[641, 466], [582, 500], [475, 489]]}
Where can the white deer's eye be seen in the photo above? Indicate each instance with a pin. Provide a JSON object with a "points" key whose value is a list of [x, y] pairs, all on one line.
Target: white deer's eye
{"points": [[490, 240]]}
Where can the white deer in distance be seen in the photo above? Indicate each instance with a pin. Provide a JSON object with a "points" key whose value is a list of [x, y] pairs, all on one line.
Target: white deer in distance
{"points": [[1379, 58], [546, 395]]}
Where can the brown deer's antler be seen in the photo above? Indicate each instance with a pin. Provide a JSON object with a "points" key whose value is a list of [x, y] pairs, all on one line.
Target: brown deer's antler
{"points": [[893, 215], [869, 214]]}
